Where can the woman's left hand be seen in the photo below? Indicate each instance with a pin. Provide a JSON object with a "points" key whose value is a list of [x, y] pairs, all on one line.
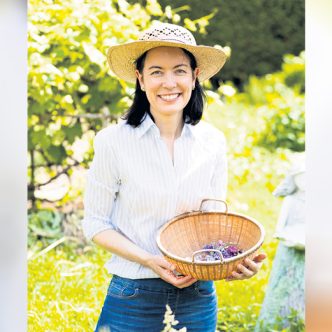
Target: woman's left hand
{"points": [[251, 267]]}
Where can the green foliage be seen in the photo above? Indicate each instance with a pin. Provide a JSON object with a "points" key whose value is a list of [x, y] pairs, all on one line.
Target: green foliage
{"points": [[279, 100], [259, 33], [274, 103], [292, 323], [250, 166], [45, 226], [71, 92], [69, 88]]}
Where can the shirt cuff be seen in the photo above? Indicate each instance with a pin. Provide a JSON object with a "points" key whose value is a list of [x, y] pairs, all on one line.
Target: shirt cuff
{"points": [[92, 227]]}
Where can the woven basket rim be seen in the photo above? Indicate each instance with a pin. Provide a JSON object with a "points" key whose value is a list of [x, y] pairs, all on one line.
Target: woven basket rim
{"points": [[226, 260]]}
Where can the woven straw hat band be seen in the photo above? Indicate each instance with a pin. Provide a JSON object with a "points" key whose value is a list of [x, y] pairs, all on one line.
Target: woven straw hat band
{"points": [[169, 32]]}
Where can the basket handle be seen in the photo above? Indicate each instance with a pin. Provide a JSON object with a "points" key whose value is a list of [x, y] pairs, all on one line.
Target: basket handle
{"points": [[185, 214], [222, 259], [213, 199]]}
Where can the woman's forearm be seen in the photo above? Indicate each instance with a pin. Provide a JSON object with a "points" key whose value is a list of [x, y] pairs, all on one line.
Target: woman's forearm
{"points": [[118, 244]]}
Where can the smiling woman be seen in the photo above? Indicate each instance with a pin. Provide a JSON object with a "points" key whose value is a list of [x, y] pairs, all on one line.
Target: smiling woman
{"points": [[158, 163], [168, 80], [184, 67]]}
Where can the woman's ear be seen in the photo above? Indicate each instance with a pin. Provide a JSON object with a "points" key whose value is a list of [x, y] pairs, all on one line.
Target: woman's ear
{"points": [[196, 73], [140, 79]]}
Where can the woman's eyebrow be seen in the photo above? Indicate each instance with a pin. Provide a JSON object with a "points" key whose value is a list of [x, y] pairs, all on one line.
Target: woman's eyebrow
{"points": [[159, 67], [155, 67], [181, 65]]}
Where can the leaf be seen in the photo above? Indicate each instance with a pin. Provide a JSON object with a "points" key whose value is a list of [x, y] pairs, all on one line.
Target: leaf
{"points": [[94, 54], [154, 8], [72, 132], [189, 24], [58, 137], [39, 138], [56, 154]]}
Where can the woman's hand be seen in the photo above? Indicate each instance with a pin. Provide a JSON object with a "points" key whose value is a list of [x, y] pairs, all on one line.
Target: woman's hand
{"points": [[249, 270], [166, 272]]}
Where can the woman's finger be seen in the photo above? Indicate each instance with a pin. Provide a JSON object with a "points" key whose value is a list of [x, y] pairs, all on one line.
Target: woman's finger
{"points": [[251, 265], [185, 282], [247, 272], [236, 276], [179, 282], [162, 262], [260, 257]]}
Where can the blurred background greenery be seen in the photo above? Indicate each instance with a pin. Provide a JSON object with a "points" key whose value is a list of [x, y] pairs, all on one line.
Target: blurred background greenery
{"points": [[257, 100]]}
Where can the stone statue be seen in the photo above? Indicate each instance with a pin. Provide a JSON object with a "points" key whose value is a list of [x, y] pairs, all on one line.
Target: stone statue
{"points": [[284, 298]]}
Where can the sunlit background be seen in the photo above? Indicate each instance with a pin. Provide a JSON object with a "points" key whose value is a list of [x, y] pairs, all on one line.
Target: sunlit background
{"points": [[72, 94]]}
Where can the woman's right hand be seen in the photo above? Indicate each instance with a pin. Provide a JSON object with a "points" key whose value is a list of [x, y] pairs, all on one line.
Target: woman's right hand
{"points": [[166, 272], [119, 245]]}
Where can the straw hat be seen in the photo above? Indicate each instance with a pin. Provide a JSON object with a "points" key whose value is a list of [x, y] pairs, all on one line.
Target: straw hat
{"points": [[121, 58]]}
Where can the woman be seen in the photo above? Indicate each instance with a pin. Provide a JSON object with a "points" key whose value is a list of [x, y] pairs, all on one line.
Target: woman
{"points": [[160, 162]]}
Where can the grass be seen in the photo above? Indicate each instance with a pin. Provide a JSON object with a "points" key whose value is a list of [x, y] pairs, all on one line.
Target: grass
{"points": [[66, 291]]}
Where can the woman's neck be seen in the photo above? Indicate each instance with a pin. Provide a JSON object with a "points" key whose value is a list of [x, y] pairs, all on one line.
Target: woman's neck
{"points": [[170, 127]]}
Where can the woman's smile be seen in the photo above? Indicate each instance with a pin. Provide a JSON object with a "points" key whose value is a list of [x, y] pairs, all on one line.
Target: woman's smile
{"points": [[170, 97]]}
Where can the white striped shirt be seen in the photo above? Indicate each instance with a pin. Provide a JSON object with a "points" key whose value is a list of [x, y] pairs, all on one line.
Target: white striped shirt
{"points": [[134, 188]]}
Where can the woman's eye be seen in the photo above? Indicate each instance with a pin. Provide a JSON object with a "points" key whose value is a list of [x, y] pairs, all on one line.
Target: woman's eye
{"points": [[156, 72], [181, 71]]}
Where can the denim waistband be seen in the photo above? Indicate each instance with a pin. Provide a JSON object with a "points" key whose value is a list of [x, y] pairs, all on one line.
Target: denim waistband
{"points": [[152, 284]]}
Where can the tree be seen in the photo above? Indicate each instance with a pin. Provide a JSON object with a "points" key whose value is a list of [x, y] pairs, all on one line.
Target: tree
{"points": [[71, 92], [259, 32]]}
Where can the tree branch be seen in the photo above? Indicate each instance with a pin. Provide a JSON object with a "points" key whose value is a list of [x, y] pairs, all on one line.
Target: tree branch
{"points": [[64, 171]]}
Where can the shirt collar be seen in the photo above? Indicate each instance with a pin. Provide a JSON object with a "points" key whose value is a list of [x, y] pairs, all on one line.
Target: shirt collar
{"points": [[145, 126], [148, 125]]}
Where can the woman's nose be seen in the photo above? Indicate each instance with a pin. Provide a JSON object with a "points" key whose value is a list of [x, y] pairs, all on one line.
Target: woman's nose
{"points": [[169, 81]]}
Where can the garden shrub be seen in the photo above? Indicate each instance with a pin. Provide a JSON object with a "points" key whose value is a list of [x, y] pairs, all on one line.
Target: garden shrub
{"points": [[44, 225], [71, 92], [276, 103], [292, 323], [259, 32], [280, 103]]}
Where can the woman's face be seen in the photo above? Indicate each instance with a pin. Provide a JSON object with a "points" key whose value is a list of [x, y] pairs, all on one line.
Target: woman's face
{"points": [[167, 79]]}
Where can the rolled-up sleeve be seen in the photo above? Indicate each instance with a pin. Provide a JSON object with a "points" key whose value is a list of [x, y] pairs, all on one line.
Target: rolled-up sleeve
{"points": [[101, 188]]}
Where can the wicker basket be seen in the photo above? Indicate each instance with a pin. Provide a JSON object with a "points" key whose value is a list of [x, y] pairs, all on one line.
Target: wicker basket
{"points": [[181, 239]]}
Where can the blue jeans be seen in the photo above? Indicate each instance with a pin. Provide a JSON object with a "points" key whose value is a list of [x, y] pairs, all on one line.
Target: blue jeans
{"points": [[139, 305]]}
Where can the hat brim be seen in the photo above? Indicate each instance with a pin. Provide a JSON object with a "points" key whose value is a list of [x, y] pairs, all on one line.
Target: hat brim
{"points": [[121, 58]]}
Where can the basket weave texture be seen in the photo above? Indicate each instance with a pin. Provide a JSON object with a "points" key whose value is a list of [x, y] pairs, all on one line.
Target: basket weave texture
{"points": [[183, 237]]}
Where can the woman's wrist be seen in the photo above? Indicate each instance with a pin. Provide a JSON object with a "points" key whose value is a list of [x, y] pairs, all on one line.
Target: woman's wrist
{"points": [[147, 259]]}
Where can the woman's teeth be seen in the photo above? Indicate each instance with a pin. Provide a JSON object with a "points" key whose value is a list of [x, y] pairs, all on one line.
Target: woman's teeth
{"points": [[169, 97]]}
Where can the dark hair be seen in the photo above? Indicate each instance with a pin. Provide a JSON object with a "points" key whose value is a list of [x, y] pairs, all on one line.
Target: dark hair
{"points": [[192, 113]]}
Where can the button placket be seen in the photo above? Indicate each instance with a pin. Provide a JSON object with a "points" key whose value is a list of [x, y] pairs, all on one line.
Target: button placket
{"points": [[171, 180], [166, 158]]}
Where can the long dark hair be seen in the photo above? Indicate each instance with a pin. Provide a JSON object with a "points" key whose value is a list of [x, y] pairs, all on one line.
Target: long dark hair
{"points": [[192, 113]]}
